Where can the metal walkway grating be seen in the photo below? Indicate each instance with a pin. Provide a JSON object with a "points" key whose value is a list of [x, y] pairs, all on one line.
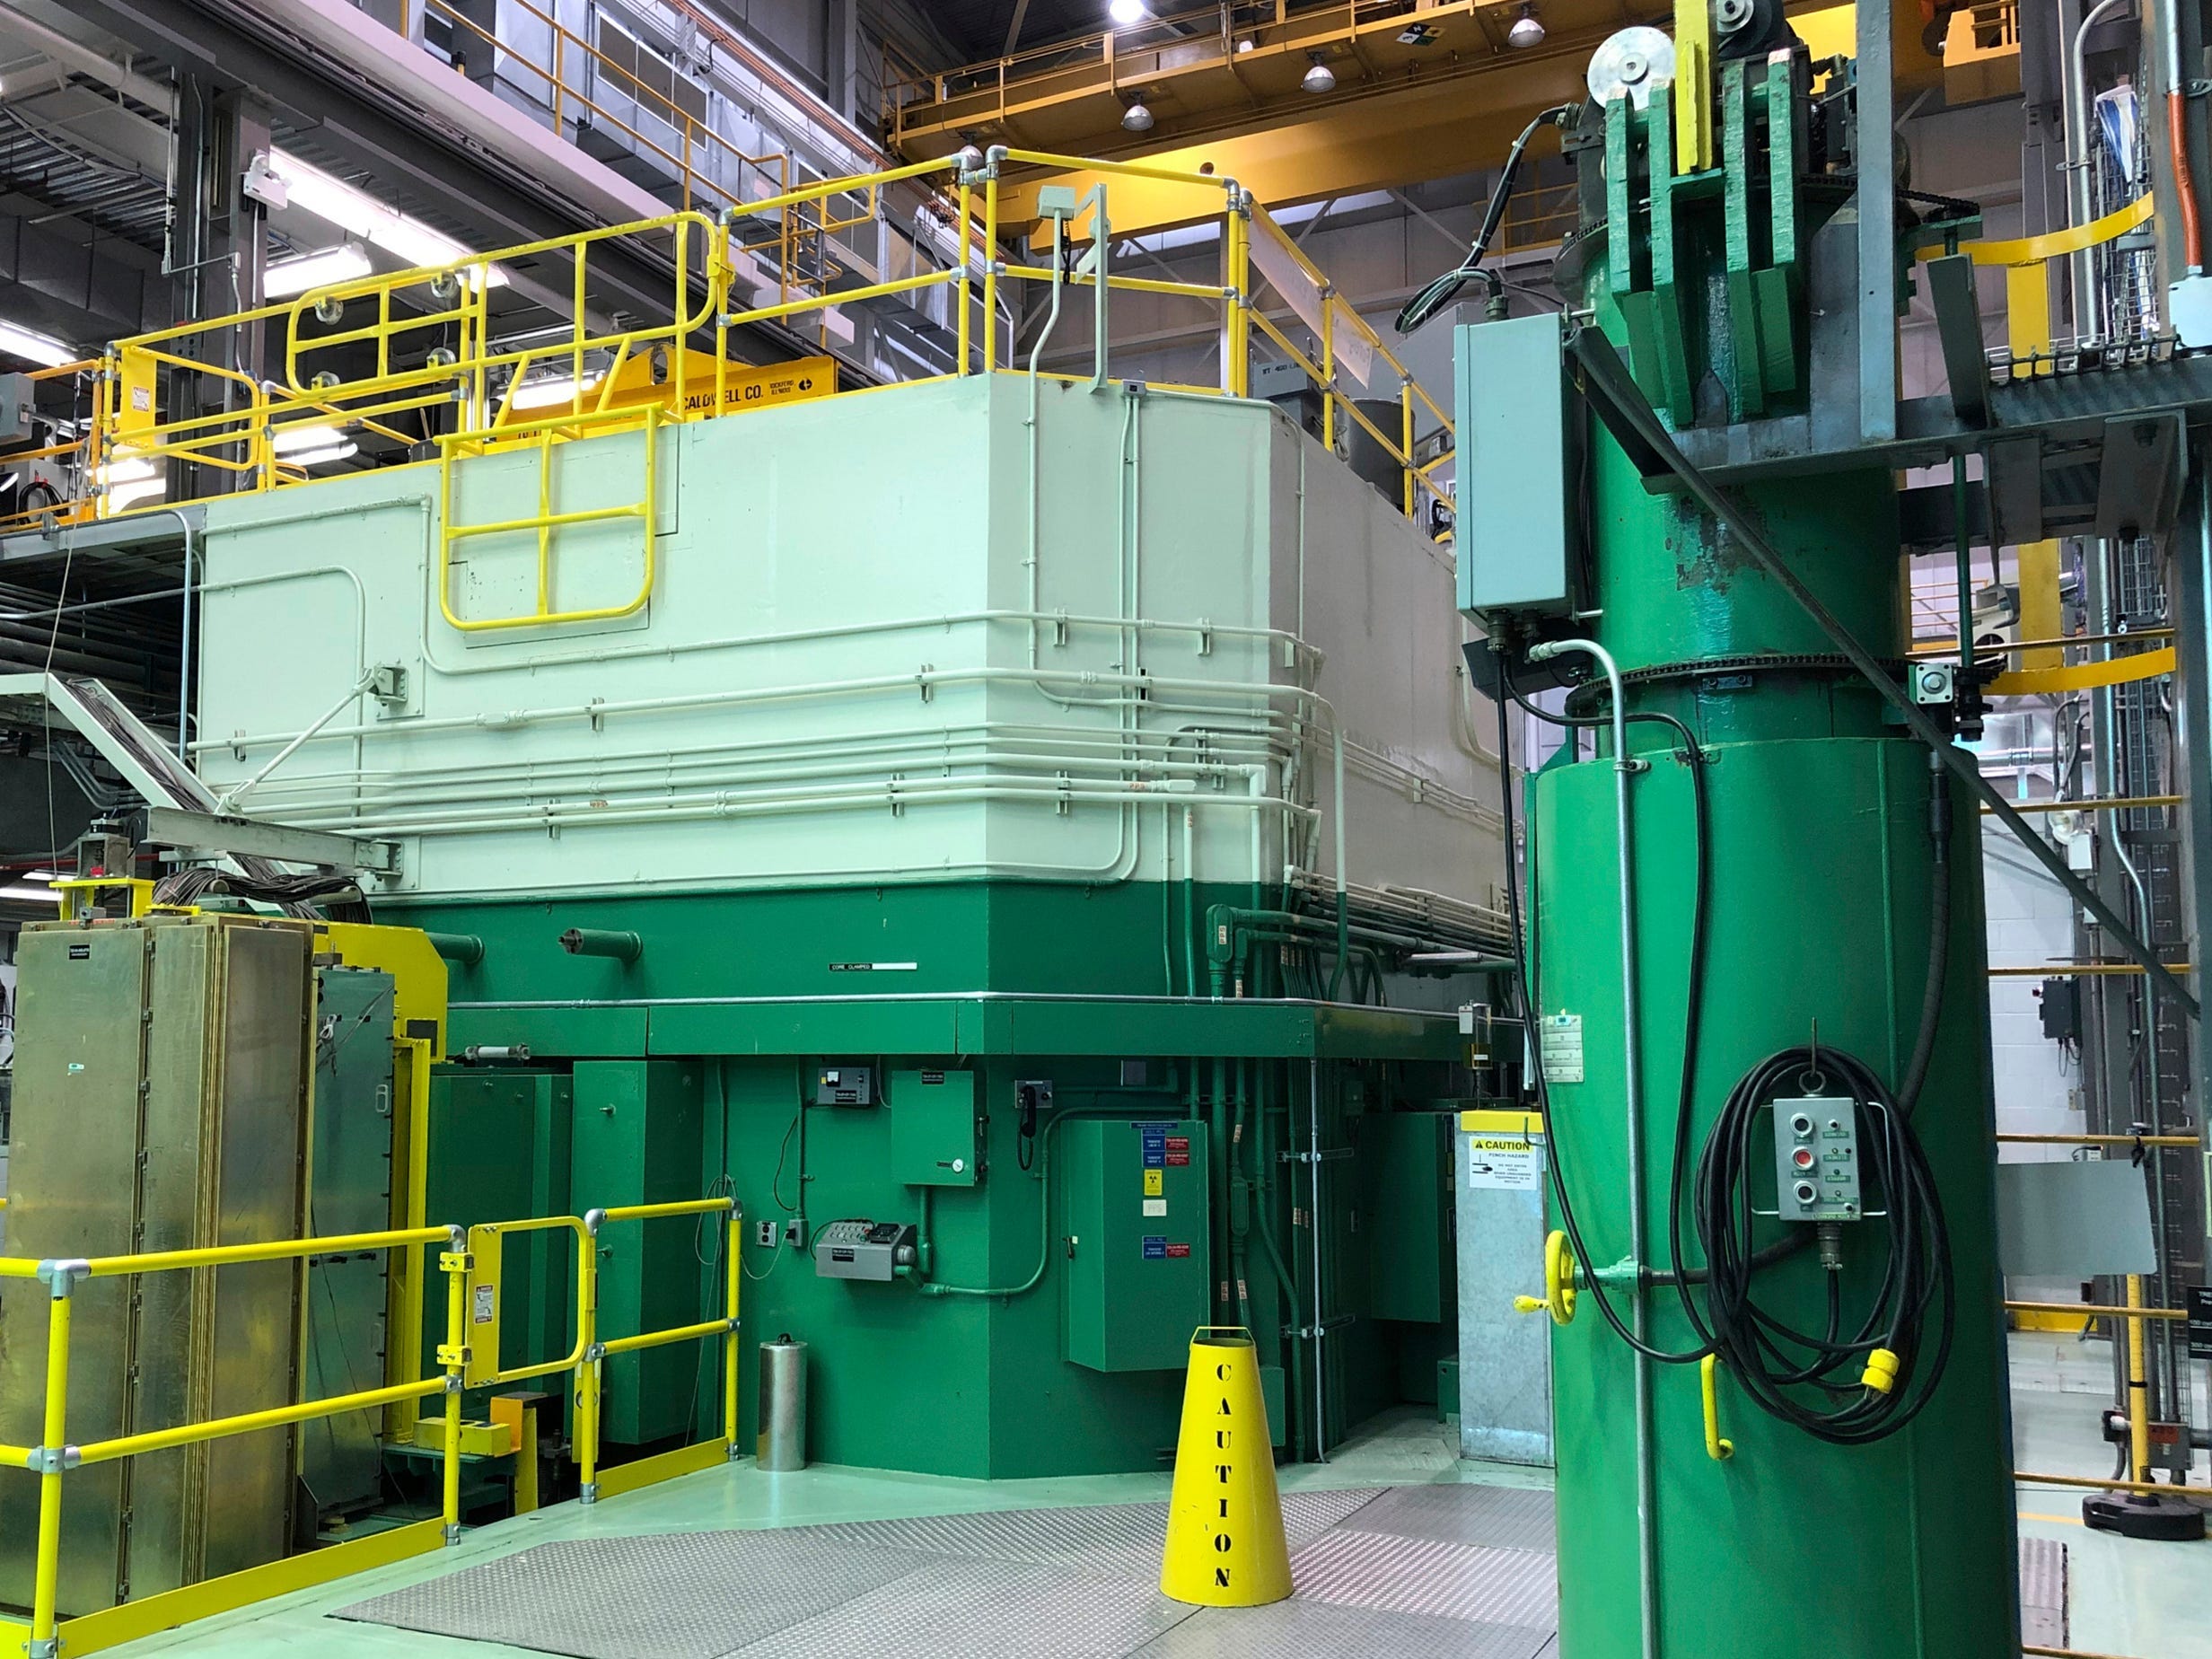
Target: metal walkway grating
{"points": [[1428, 1572], [1425, 1579]]}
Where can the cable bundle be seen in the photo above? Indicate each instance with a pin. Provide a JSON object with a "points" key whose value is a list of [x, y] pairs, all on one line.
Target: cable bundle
{"points": [[1877, 1378]]}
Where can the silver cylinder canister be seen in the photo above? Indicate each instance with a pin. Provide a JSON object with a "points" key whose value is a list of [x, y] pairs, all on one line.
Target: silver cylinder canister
{"points": [[782, 1443]]}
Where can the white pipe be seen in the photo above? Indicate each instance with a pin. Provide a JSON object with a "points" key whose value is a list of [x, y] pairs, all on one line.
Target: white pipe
{"points": [[1036, 488], [85, 60], [2088, 290], [230, 797], [718, 805], [1625, 768]]}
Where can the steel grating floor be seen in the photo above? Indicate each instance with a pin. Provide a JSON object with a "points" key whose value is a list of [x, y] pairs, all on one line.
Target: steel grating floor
{"points": [[1420, 1572], [1445, 1571]]}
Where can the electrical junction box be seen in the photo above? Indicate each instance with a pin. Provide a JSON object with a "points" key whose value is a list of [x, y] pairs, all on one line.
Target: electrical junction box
{"points": [[1816, 1159], [1511, 537], [934, 1136], [845, 1085], [1137, 1222], [864, 1249]]}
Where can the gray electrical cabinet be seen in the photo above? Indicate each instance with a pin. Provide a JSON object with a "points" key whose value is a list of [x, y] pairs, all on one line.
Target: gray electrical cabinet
{"points": [[1512, 526]]}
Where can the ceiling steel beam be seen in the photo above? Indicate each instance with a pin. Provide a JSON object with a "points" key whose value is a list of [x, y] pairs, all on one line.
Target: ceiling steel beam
{"points": [[365, 120]]}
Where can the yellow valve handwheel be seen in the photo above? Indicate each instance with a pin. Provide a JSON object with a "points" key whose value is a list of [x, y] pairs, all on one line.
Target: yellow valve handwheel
{"points": [[1558, 1297]]}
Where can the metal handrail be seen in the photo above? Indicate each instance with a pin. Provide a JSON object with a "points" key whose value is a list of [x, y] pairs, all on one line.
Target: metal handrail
{"points": [[54, 1457], [241, 440]]}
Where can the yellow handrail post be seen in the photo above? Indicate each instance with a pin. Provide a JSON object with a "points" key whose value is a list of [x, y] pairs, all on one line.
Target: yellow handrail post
{"points": [[54, 1456], [990, 269], [2138, 1386], [1236, 370], [1405, 397], [1328, 372], [729, 1342], [587, 1362], [964, 206], [455, 1263]]}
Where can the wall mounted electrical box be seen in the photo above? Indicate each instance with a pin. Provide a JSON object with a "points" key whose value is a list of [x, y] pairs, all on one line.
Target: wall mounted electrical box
{"points": [[1136, 1231], [1511, 538], [935, 1135]]}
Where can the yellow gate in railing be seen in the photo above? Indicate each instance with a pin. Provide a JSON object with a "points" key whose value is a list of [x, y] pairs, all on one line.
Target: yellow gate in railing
{"points": [[468, 1356]]}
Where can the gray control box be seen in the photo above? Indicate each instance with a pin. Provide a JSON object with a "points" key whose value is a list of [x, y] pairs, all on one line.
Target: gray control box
{"points": [[1511, 534], [864, 1249], [1816, 1159]]}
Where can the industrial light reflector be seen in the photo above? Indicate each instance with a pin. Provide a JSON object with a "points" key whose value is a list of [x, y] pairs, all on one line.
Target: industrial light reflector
{"points": [[1528, 29], [319, 269], [42, 349], [538, 394], [293, 440], [1137, 117], [344, 449], [1126, 12], [364, 218], [1319, 78]]}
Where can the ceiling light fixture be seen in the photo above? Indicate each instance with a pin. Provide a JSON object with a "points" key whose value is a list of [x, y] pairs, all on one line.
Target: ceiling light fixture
{"points": [[1320, 78], [1125, 12], [323, 268], [344, 449], [1137, 118], [42, 349], [555, 389], [362, 216], [291, 440], [1246, 43], [1528, 29]]}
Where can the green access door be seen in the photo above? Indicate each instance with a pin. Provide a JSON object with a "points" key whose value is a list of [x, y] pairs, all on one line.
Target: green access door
{"points": [[1138, 1226]]}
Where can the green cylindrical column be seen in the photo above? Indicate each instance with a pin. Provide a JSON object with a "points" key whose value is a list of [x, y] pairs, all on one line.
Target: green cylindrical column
{"points": [[1819, 924]]}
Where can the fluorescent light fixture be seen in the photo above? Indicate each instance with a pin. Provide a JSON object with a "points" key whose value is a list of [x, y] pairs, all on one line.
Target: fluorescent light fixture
{"points": [[291, 440], [27, 895], [344, 449], [319, 269], [364, 218], [1137, 118], [1319, 78], [42, 349], [1126, 12], [121, 496], [538, 394]]}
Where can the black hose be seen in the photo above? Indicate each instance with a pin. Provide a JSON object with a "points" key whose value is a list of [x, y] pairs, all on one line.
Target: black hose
{"points": [[1439, 293]]}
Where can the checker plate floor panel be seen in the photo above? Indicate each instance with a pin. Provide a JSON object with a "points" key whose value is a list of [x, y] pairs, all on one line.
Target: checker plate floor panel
{"points": [[1431, 1572]]}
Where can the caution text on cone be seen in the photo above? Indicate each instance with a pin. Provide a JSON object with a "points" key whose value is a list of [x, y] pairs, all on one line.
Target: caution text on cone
{"points": [[1224, 1521]]}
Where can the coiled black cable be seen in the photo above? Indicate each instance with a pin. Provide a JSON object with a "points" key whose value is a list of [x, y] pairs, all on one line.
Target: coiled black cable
{"points": [[1767, 1354], [1775, 1361]]}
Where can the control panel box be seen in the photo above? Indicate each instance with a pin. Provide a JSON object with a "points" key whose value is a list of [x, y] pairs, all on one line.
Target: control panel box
{"points": [[864, 1249], [1816, 1159], [845, 1085], [1511, 533], [1137, 1224], [935, 1137]]}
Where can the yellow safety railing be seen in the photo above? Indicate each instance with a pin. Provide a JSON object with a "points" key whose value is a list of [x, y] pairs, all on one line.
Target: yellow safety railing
{"points": [[469, 1358], [1343, 347], [383, 353]]}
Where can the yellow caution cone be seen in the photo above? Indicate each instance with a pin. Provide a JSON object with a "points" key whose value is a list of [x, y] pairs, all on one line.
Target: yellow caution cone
{"points": [[1224, 1522]]}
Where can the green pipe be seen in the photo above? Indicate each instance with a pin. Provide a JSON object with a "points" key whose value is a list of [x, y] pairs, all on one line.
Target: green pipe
{"points": [[1044, 1213], [466, 948], [622, 947]]}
